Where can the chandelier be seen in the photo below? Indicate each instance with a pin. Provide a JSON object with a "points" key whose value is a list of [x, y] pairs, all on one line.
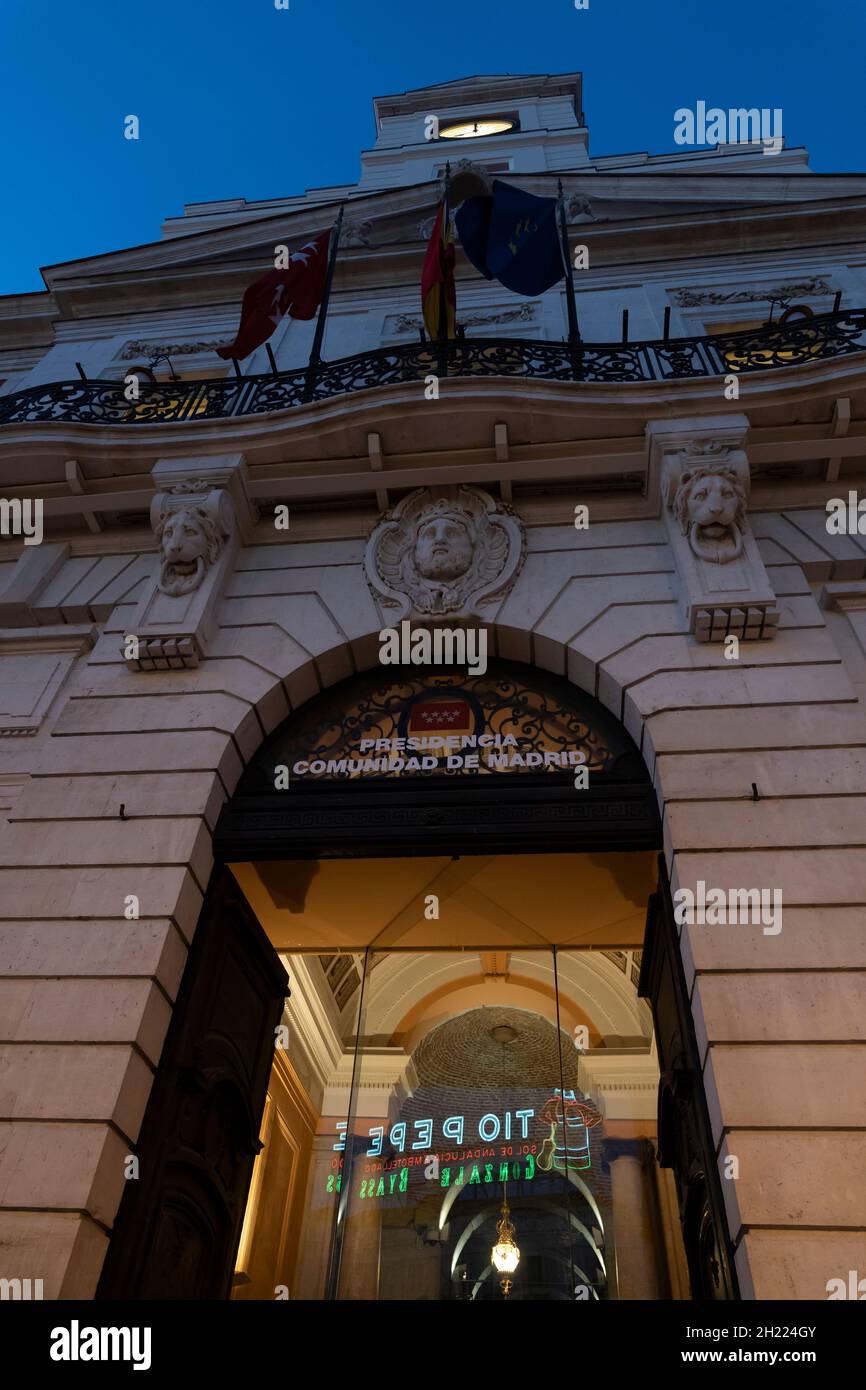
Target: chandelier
{"points": [[505, 1254]]}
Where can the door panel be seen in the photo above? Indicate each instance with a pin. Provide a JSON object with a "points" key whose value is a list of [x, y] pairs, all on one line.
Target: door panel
{"points": [[684, 1131], [179, 1223]]}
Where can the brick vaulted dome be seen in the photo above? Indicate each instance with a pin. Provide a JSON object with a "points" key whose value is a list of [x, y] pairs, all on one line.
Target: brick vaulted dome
{"points": [[496, 1047]]}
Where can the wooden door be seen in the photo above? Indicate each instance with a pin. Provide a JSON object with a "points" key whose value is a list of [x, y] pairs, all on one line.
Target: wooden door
{"points": [[178, 1227]]}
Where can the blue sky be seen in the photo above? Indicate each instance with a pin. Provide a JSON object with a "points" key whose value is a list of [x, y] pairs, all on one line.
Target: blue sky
{"points": [[238, 99]]}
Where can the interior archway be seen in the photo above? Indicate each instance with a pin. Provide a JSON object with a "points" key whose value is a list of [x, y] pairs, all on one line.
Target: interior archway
{"points": [[450, 926]]}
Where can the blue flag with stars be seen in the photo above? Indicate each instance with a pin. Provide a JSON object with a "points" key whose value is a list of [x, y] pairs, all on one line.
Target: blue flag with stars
{"points": [[512, 237]]}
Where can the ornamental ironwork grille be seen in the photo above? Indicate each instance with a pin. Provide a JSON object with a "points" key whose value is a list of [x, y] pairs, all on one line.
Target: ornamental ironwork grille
{"points": [[426, 723], [768, 347]]}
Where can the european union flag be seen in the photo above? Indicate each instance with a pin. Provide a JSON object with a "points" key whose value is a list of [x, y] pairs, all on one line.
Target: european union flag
{"points": [[513, 238]]}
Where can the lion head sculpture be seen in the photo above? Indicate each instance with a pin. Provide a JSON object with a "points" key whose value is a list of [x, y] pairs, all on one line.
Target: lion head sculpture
{"points": [[190, 542], [710, 505]]}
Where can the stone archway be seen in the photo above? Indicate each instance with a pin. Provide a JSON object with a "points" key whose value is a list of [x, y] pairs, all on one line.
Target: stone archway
{"points": [[625, 780]]}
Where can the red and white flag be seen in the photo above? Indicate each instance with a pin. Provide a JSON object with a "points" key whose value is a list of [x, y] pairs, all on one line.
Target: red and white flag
{"points": [[440, 717], [296, 290]]}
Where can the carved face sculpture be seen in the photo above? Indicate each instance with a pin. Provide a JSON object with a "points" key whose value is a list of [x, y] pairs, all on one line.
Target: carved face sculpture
{"points": [[443, 548], [710, 505], [189, 543]]}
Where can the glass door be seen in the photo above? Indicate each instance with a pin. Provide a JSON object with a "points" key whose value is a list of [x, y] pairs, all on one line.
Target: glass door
{"points": [[468, 1130]]}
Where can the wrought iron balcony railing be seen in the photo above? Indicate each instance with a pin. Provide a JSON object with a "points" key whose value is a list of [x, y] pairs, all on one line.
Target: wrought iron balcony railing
{"points": [[758, 349]]}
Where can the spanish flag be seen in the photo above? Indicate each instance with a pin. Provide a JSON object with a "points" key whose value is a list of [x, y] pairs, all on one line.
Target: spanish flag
{"points": [[437, 279]]}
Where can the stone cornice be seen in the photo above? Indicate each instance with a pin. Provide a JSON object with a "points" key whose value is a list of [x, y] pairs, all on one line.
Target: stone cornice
{"points": [[26, 321], [212, 266], [355, 522], [502, 87]]}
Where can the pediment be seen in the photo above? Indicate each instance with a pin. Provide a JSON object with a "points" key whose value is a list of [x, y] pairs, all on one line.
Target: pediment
{"points": [[246, 240]]}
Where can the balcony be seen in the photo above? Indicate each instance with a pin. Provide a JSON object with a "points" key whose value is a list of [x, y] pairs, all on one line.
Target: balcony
{"points": [[768, 348]]}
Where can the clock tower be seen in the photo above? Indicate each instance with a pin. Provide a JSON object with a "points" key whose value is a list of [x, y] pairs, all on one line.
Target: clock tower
{"points": [[506, 126]]}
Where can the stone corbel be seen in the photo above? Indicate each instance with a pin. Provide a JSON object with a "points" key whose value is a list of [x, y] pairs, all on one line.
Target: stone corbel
{"points": [[704, 483], [201, 514]]}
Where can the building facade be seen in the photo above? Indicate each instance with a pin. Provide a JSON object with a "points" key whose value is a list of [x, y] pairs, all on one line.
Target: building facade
{"points": [[311, 961]]}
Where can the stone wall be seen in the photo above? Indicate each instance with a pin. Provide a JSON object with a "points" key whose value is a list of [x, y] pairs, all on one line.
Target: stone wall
{"points": [[114, 787]]}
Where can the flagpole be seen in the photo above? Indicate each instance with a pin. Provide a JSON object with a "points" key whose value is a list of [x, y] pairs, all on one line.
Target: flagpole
{"points": [[573, 330], [443, 302], [316, 350]]}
